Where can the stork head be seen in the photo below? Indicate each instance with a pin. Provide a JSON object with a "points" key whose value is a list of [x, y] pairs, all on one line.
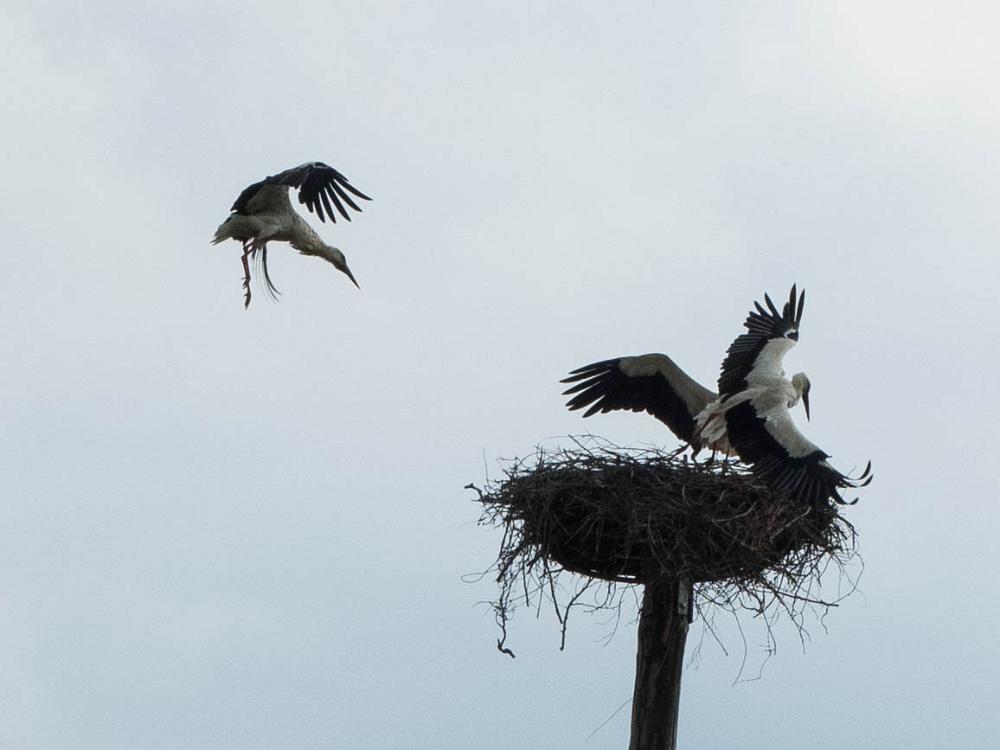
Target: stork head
{"points": [[802, 386], [334, 256]]}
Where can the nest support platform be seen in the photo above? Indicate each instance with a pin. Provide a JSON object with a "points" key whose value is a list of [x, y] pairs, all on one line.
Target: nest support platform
{"points": [[695, 534]]}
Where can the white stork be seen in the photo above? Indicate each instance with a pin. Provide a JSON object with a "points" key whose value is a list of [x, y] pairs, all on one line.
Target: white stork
{"points": [[263, 213], [750, 416]]}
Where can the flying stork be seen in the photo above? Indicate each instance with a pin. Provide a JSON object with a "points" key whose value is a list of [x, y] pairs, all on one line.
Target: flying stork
{"points": [[263, 213], [751, 414]]}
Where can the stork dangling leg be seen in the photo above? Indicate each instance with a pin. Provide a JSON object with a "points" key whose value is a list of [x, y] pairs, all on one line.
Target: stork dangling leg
{"points": [[246, 274], [256, 248]]}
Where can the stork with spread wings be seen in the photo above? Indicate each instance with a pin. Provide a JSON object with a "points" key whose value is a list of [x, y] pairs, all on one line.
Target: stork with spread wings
{"points": [[751, 414], [263, 213]]}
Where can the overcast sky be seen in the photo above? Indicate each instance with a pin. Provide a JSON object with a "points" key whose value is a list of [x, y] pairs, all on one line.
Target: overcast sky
{"points": [[246, 529]]}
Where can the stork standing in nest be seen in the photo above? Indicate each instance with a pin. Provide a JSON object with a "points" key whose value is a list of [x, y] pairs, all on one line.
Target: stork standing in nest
{"points": [[750, 416], [263, 213]]}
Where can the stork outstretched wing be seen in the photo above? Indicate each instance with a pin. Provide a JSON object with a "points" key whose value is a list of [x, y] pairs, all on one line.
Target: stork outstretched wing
{"points": [[758, 353], [651, 383], [319, 184], [783, 458]]}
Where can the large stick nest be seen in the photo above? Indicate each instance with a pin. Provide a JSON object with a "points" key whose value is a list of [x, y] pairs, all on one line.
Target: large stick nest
{"points": [[627, 516]]}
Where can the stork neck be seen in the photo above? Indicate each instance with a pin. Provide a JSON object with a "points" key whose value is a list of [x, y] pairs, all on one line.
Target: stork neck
{"points": [[306, 240]]}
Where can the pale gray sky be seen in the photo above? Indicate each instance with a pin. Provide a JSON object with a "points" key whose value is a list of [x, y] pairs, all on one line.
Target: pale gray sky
{"points": [[229, 529]]}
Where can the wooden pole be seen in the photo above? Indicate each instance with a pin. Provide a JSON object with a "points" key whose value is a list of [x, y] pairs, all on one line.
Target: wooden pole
{"points": [[667, 608]]}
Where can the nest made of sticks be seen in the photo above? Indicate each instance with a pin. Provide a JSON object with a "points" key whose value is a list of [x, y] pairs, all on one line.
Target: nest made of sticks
{"points": [[626, 515]]}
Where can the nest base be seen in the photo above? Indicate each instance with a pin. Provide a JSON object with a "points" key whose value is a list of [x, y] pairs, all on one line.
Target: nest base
{"points": [[627, 516]]}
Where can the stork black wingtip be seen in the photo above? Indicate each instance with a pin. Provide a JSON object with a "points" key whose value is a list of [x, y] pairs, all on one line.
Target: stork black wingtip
{"points": [[575, 388], [771, 307], [586, 370], [866, 475]]}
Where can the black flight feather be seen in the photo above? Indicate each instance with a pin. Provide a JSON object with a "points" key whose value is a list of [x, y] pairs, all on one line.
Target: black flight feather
{"points": [[808, 479], [315, 181], [604, 387]]}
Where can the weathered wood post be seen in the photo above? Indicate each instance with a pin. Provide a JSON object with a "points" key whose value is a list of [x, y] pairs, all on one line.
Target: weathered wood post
{"points": [[663, 626]]}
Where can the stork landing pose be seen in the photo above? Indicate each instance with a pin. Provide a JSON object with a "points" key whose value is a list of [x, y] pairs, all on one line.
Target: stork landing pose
{"points": [[749, 417], [263, 213]]}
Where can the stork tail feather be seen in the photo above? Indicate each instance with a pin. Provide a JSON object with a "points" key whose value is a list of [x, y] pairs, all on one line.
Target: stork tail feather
{"points": [[259, 254]]}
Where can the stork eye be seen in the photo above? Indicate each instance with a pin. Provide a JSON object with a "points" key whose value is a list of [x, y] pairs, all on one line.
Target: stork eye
{"points": [[792, 333]]}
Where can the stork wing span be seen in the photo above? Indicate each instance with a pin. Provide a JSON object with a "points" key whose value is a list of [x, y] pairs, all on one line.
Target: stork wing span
{"points": [[758, 353], [650, 383], [318, 185], [784, 459]]}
